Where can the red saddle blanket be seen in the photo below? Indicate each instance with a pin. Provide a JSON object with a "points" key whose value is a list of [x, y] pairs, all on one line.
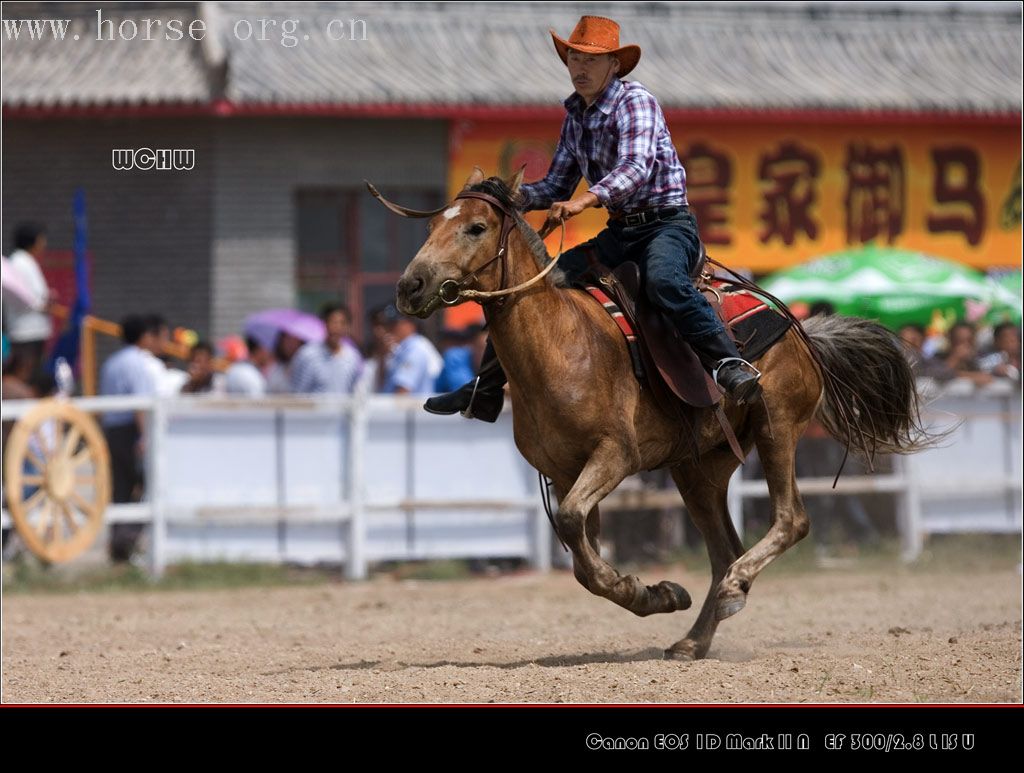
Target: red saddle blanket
{"points": [[738, 305], [657, 349], [752, 323]]}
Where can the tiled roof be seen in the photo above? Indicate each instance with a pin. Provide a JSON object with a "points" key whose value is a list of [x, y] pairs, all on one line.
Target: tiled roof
{"points": [[50, 72], [936, 57]]}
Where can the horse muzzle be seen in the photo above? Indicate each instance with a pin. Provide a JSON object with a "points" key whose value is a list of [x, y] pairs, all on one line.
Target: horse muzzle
{"points": [[411, 293], [419, 295]]}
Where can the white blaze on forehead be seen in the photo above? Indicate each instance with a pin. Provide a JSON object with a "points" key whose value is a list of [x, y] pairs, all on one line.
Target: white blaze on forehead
{"points": [[452, 211]]}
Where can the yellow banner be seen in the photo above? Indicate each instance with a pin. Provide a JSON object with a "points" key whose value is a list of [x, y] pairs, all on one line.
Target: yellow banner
{"points": [[767, 196]]}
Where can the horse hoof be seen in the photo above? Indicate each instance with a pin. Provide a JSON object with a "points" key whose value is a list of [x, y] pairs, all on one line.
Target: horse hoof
{"points": [[729, 606], [684, 657], [680, 598]]}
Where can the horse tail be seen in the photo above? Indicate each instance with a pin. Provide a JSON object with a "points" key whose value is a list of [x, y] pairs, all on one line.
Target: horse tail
{"points": [[870, 401]]}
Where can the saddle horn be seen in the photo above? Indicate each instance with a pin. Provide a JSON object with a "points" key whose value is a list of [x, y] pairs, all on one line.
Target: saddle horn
{"points": [[400, 210]]}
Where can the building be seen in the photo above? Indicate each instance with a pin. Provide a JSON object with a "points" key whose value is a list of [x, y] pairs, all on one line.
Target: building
{"points": [[805, 127]]}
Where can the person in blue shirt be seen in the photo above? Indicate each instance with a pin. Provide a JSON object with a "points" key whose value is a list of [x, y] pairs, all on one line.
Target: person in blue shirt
{"points": [[332, 366], [458, 361], [414, 363], [127, 372]]}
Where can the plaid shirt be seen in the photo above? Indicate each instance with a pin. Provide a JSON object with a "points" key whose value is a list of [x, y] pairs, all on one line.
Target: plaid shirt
{"points": [[622, 143]]}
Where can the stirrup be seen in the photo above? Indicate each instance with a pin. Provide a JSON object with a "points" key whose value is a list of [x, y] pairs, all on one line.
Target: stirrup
{"points": [[718, 367], [468, 412]]}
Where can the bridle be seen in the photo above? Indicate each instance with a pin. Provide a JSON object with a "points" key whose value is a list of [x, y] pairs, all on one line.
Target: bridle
{"points": [[452, 291]]}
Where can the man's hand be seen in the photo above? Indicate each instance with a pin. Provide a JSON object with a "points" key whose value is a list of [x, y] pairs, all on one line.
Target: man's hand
{"points": [[563, 210]]}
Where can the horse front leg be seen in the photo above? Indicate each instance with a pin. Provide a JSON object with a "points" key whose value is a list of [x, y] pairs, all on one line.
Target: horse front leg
{"points": [[705, 491], [593, 537], [605, 469]]}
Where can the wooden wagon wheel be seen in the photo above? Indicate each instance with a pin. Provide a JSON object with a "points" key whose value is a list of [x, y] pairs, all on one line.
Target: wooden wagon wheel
{"points": [[57, 479]]}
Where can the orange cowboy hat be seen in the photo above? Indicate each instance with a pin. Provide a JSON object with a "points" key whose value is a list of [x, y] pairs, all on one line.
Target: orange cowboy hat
{"points": [[598, 35]]}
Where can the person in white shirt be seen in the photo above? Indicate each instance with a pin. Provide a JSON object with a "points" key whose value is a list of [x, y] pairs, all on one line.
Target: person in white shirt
{"points": [[246, 377], [28, 329], [279, 373], [167, 381], [202, 376], [330, 367], [378, 350]]}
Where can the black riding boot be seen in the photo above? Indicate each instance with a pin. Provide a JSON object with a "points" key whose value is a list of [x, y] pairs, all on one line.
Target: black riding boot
{"points": [[482, 398], [730, 371]]}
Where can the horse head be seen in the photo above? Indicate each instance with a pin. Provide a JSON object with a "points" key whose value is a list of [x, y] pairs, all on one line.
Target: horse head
{"points": [[466, 246]]}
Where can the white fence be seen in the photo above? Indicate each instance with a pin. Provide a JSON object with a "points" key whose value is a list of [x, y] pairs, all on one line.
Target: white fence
{"points": [[969, 483], [361, 479]]}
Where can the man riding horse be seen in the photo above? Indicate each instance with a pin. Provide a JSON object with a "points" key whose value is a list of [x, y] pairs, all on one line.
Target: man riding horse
{"points": [[582, 419], [614, 134]]}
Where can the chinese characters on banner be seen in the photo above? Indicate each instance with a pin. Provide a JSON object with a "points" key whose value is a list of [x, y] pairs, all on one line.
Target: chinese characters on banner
{"points": [[791, 177], [767, 197]]}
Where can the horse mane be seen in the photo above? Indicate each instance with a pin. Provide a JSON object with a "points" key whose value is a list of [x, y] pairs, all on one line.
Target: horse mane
{"points": [[496, 187]]}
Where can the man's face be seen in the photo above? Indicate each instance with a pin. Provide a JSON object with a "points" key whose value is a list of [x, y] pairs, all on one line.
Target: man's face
{"points": [[337, 327], [40, 246], [402, 329], [961, 337], [591, 73], [201, 365], [379, 332], [1008, 341], [154, 340], [912, 338], [261, 357], [287, 345]]}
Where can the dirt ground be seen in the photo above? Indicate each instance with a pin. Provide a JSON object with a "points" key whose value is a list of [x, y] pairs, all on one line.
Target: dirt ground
{"points": [[858, 636]]}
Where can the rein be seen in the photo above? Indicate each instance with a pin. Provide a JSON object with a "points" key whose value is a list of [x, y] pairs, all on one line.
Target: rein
{"points": [[452, 291]]}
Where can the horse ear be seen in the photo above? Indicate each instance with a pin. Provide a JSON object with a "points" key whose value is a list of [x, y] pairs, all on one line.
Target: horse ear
{"points": [[516, 180], [474, 179]]}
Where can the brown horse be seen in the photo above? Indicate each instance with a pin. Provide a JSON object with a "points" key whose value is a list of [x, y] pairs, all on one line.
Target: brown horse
{"points": [[581, 418]]}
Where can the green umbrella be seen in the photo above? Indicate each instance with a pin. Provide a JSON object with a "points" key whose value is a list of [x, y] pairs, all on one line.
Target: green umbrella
{"points": [[1006, 306], [895, 287]]}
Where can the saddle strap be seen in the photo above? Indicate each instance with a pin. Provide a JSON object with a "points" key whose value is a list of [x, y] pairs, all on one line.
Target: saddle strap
{"points": [[714, 298], [730, 436]]}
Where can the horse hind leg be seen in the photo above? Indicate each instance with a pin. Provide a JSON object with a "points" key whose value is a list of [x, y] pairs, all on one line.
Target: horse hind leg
{"points": [[705, 491], [789, 520], [578, 525]]}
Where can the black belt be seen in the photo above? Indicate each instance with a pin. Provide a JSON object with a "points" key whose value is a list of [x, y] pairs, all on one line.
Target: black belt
{"points": [[645, 216]]}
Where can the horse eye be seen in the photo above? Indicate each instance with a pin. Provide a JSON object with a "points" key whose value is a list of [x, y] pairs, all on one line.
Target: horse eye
{"points": [[476, 229]]}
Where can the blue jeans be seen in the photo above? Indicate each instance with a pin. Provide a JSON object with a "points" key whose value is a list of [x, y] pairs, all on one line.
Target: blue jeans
{"points": [[665, 250]]}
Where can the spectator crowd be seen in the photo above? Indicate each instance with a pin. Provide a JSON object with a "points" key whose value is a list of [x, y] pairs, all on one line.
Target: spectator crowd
{"points": [[965, 352], [396, 359]]}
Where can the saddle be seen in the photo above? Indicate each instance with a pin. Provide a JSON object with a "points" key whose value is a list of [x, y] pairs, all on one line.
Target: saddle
{"points": [[661, 358], [670, 365]]}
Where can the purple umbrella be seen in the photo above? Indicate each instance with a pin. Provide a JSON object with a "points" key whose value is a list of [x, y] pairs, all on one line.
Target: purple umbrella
{"points": [[265, 326]]}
